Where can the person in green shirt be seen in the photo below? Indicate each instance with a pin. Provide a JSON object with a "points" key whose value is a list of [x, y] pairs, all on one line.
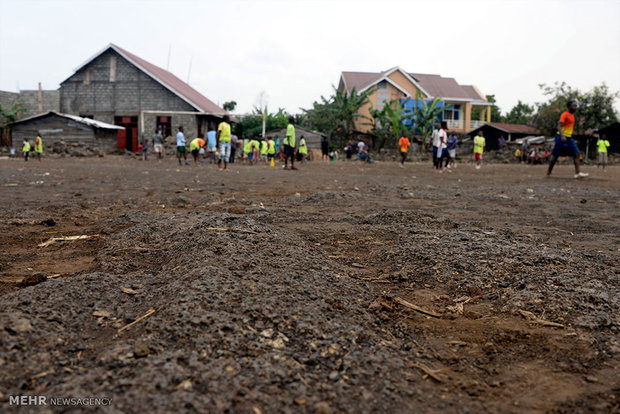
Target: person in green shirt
{"points": [[26, 147], [247, 149], [271, 149], [38, 148], [255, 151], [602, 144], [224, 138], [289, 144], [264, 148], [479, 144], [303, 149]]}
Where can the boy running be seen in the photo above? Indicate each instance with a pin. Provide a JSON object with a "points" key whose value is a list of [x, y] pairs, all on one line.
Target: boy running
{"points": [[564, 143], [403, 144]]}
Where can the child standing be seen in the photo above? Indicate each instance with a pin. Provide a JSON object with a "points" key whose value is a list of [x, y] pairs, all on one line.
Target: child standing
{"points": [[26, 149]]}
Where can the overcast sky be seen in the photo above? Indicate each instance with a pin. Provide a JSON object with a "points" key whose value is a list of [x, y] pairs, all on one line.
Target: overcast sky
{"points": [[295, 50]]}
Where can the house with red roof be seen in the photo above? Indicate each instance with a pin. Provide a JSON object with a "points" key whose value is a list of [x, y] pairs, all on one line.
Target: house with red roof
{"points": [[117, 87], [457, 100]]}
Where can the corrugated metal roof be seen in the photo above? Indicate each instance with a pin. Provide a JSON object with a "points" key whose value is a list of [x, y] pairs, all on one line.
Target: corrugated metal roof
{"points": [[86, 121]]}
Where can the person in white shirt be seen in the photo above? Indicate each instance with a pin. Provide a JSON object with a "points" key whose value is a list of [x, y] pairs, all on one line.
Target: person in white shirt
{"points": [[435, 142], [442, 146]]}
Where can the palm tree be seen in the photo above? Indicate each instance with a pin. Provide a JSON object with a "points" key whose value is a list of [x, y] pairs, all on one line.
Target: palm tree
{"points": [[426, 114]]}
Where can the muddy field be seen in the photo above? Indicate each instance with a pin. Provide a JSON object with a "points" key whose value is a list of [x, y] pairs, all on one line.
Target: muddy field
{"points": [[341, 287]]}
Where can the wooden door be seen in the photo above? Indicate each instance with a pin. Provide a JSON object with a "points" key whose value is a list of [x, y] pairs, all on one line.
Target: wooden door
{"points": [[121, 139]]}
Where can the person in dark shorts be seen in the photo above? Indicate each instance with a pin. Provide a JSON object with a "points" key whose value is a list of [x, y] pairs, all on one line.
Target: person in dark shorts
{"points": [[564, 143], [289, 144], [181, 153], [324, 149]]}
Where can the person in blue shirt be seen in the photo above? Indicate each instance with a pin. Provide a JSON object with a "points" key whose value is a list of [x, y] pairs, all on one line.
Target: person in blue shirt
{"points": [[452, 141], [211, 145], [181, 152]]}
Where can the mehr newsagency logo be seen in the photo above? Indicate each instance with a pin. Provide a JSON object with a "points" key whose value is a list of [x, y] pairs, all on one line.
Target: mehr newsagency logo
{"points": [[34, 400]]}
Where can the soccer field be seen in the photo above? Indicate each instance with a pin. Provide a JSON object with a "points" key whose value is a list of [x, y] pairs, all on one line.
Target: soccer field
{"points": [[340, 287]]}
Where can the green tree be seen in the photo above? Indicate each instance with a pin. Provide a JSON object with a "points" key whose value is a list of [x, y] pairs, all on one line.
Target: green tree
{"points": [[229, 106], [253, 124], [426, 115], [595, 111], [521, 113], [10, 115], [336, 115]]}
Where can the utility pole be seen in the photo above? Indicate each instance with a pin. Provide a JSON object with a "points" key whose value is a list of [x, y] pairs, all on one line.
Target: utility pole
{"points": [[40, 99]]}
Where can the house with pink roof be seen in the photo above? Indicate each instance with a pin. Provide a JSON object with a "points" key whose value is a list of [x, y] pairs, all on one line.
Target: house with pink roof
{"points": [[457, 100]]}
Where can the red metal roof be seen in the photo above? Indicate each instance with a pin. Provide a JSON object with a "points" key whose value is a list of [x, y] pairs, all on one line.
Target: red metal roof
{"points": [[514, 128], [359, 80], [435, 85], [176, 85]]}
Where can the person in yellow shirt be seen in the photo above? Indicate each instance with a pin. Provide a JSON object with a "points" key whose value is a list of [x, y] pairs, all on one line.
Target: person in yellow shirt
{"points": [[255, 150], [303, 149], [271, 149], [289, 144], [26, 147], [247, 150], [194, 147], [264, 148], [224, 137], [479, 144], [602, 144], [38, 148]]}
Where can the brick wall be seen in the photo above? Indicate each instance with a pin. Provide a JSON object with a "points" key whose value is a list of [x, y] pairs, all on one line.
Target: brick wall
{"points": [[131, 92]]}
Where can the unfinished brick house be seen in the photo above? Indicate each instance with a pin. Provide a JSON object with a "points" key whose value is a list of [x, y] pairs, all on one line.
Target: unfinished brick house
{"points": [[118, 87]]}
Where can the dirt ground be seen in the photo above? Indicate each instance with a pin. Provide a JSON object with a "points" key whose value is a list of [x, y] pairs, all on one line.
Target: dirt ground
{"points": [[341, 287]]}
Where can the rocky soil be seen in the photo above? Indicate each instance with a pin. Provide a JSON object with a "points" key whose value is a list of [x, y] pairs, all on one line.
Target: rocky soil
{"points": [[340, 287]]}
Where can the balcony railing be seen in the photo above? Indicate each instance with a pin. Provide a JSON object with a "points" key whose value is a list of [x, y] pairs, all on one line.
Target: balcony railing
{"points": [[452, 124], [476, 124]]}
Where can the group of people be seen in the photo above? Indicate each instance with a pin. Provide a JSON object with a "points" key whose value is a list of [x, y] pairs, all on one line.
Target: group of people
{"points": [[223, 147], [37, 148], [444, 148]]}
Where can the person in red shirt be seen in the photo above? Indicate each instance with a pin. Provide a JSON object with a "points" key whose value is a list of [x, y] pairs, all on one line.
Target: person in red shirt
{"points": [[564, 143], [403, 144]]}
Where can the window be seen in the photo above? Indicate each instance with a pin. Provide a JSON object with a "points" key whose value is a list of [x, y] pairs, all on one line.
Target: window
{"points": [[383, 94], [452, 112], [112, 68]]}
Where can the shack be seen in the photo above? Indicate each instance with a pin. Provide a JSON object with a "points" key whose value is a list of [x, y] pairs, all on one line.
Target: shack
{"points": [[55, 126], [493, 130], [313, 138]]}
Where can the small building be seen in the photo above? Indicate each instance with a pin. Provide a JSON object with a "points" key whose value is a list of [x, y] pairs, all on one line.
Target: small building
{"points": [[118, 87], [313, 138], [72, 129], [612, 133], [493, 130]]}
